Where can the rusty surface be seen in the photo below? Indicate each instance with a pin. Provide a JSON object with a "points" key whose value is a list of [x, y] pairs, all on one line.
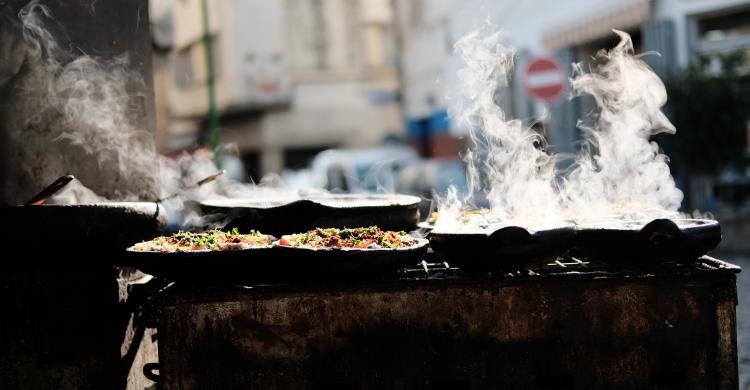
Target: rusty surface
{"points": [[533, 332], [726, 322]]}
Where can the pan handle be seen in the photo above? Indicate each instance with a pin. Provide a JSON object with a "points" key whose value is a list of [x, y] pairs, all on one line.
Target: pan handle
{"points": [[148, 372], [510, 236], [661, 232], [50, 190]]}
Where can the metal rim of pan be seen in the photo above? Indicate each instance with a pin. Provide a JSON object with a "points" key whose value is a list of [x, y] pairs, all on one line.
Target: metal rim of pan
{"points": [[421, 243], [199, 251], [270, 203], [638, 224]]}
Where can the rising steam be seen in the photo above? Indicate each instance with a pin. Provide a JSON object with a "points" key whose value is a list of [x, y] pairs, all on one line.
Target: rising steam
{"points": [[619, 172], [74, 113], [89, 108], [508, 163]]}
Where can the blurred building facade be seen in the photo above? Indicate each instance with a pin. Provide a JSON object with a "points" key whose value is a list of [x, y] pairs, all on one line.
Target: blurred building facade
{"points": [[426, 32], [683, 32], [293, 77]]}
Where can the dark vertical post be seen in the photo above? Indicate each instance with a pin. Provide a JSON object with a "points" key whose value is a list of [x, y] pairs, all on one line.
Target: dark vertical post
{"points": [[213, 118]]}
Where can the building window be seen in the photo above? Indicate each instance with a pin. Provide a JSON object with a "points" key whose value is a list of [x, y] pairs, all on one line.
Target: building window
{"points": [[251, 161], [193, 57], [721, 37], [319, 35], [183, 68], [300, 158]]}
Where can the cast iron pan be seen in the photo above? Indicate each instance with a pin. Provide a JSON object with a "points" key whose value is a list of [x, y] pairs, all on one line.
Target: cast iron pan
{"points": [[504, 250], [389, 212], [79, 234], [335, 263], [638, 242], [231, 266]]}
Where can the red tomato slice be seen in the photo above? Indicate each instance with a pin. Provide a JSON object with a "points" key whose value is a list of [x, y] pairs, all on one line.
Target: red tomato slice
{"points": [[284, 242]]}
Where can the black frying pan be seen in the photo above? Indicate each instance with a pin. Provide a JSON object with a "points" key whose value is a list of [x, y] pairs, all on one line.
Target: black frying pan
{"points": [[96, 233], [503, 250], [336, 263], [646, 242], [279, 217]]}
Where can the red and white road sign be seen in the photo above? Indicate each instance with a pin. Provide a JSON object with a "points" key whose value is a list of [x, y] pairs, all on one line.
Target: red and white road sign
{"points": [[544, 79]]}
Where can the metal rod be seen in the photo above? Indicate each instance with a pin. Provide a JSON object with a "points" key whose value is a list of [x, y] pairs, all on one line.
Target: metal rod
{"points": [[197, 184], [210, 178]]}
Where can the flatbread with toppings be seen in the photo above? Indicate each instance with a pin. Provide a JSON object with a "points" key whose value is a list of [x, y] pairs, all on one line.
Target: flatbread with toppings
{"points": [[212, 240], [359, 238]]}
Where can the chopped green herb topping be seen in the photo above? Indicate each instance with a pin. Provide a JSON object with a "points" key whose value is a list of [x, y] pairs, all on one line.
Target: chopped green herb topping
{"points": [[363, 238]]}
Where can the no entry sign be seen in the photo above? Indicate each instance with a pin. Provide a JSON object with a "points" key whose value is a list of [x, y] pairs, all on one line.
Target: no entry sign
{"points": [[544, 79]]}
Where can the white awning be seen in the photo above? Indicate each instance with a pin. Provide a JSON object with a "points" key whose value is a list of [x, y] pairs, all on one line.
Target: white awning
{"points": [[591, 27]]}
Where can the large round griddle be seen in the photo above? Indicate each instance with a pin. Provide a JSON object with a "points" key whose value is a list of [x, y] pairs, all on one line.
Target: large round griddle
{"points": [[647, 242], [75, 234], [347, 263], [502, 250], [288, 216]]}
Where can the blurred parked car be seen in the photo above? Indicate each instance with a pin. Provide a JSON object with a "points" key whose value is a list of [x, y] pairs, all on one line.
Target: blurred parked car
{"points": [[385, 169]]}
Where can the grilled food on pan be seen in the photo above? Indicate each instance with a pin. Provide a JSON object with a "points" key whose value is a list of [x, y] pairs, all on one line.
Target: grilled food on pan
{"points": [[359, 238], [212, 240]]}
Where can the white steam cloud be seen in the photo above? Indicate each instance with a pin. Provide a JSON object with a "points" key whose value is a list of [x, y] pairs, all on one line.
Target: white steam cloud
{"points": [[622, 171], [618, 174], [89, 108], [518, 175], [77, 114]]}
